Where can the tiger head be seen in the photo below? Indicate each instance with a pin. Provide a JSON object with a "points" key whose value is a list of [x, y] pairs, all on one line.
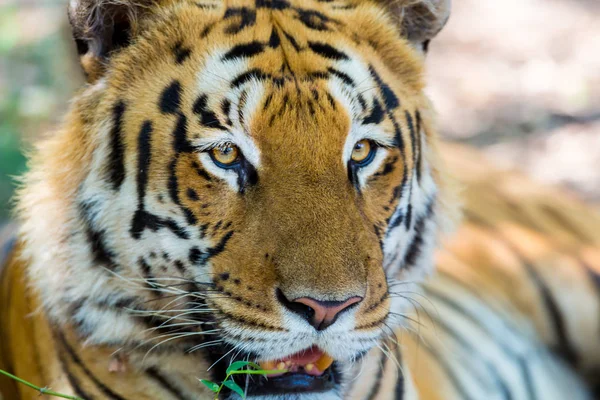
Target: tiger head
{"points": [[240, 179]]}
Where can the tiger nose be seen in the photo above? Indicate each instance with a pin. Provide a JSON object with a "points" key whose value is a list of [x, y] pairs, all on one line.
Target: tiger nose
{"points": [[320, 314]]}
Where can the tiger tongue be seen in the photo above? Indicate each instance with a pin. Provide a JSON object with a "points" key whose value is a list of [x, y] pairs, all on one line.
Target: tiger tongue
{"points": [[309, 356]]}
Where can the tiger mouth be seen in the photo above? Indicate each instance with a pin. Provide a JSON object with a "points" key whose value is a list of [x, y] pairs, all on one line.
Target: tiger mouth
{"points": [[308, 371], [295, 382], [310, 361]]}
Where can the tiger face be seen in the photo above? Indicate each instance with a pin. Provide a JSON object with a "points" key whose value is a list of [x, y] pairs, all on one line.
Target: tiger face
{"points": [[252, 178]]}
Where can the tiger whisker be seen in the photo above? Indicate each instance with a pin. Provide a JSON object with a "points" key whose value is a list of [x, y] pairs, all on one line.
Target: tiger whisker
{"points": [[204, 345]]}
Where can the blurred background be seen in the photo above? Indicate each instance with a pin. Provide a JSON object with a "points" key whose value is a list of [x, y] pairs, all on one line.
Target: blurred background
{"points": [[520, 79]]}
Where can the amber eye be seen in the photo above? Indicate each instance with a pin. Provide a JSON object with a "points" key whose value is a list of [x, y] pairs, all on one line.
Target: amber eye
{"points": [[226, 156], [363, 152]]}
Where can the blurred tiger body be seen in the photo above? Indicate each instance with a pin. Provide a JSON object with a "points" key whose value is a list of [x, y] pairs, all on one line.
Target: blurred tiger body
{"points": [[257, 179]]}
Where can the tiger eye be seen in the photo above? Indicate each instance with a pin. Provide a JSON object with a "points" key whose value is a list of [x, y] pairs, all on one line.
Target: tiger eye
{"points": [[361, 151], [227, 154]]}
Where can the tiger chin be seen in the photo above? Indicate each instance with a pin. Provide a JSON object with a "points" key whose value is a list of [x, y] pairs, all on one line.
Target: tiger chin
{"points": [[238, 180]]}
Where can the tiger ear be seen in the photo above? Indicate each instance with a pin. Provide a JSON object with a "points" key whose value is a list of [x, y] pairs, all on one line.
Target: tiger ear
{"points": [[420, 20], [101, 28]]}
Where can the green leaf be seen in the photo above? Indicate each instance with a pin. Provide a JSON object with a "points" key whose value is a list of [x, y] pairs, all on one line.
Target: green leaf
{"points": [[237, 366], [211, 385], [235, 387], [255, 366]]}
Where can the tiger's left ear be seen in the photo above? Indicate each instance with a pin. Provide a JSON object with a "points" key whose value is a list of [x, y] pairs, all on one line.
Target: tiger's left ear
{"points": [[420, 20], [103, 27]]}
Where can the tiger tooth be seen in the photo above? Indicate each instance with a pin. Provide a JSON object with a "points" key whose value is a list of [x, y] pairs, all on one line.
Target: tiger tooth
{"points": [[281, 366], [324, 362], [309, 367], [267, 365]]}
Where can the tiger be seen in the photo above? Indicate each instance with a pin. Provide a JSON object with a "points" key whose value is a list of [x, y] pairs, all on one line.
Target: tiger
{"points": [[262, 181]]}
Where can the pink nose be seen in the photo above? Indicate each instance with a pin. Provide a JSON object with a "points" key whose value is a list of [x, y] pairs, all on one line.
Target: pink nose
{"points": [[320, 314]]}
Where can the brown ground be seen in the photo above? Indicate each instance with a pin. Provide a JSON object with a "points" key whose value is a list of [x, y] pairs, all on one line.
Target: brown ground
{"points": [[521, 80]]}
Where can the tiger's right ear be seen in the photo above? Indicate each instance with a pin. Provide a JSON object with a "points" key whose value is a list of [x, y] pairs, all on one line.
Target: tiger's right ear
{"points": [[419, 20], [102, 27]]}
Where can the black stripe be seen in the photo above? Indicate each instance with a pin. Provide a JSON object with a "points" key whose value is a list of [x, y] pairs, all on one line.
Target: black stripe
{"points": [[398, 217], [240, 106], [249, 75], [408, 216], [377, 384], [199, 257], [73, 381], [244, 50], [100, 253], [419, 138], [247, 18], [207, 29], [390, 99], [316, 75], [191, 194], [268, 101], [155, 374], [96, 238], [207, 117], [205, 6], [327, 51], [413, 137], [414, 249], [170, 99], [147, 273], [399, 142], [144, 158], [313, 19], [331, 100], [201, 172], [73, 355], [273, 4], [565, 348], [445, 365], [172, 184], [399, 387], [344, 7], [291, 39], [181, 143], [116, 162], [181, 53], [274, 40], [226, 109], [142, 219], [376, 115], [387, 168], [343, 76], [362, 102]]}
